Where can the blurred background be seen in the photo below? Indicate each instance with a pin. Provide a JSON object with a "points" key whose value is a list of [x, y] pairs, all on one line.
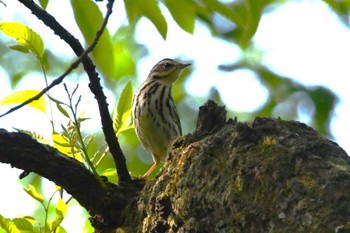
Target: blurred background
{"points": [[279, 58]]}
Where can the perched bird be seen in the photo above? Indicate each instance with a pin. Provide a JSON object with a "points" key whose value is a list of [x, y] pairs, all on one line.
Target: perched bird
{"points": [[154, 113]]}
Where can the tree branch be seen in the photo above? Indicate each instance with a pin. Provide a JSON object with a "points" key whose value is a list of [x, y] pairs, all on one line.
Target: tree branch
{"points": [[21, 151], [95, 85]]}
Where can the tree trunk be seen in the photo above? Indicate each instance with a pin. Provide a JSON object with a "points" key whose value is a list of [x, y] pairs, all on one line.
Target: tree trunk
{"points": [[268, 175]]}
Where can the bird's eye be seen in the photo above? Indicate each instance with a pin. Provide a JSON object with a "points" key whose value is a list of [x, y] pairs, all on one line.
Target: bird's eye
{"points": [[168, 65]]}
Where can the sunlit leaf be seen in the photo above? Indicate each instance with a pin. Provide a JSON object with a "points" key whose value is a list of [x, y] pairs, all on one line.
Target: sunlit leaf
{"points": [[19, 97], [61, 210], [25, 36], [109, 172], [8, 225], [148, 8], [34, 194], [89, 19], [183, 12], [122, 115], [62, 145], [60, 229]]}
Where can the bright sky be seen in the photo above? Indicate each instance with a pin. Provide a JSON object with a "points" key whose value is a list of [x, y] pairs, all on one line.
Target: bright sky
{"points": [[302, 40]]}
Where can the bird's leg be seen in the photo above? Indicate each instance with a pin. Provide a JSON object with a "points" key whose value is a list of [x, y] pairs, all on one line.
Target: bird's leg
{"points": [[150, 170]]}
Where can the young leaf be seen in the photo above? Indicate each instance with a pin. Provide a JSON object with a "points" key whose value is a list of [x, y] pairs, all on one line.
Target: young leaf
{"points": [[122, 115], [148, 8], [61, 210], [25, 36], [19, 97], [62, 144], [34, 194], [8, 225], [62, 110]]}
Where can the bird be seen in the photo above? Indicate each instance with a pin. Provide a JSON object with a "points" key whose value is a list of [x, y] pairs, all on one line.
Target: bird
{"points": [[154, 113]]}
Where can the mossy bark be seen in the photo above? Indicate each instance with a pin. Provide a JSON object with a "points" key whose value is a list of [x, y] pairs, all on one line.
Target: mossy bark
{"points": [[268, 175]]}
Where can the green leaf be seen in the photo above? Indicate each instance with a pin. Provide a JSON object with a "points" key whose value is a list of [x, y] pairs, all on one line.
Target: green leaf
{"points": [[122, 115], [8, 225], [123, 60], [23, 225], [20, 48], [34, 194], [62, 110], [89, 19], [60, 229], [183, 12], [25, 36], [43, 3], [19, 97], [324, 101], [148, 8], [61, 210], [252, 14], [109, 172]]}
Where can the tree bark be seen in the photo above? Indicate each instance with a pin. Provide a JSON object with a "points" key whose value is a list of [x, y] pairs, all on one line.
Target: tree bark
{"points": [[267, 175]]}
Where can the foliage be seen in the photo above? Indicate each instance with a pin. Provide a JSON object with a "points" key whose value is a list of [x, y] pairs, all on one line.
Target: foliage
{"points": [[27, 39], [70, 141], [29, 224], [21, 96]]}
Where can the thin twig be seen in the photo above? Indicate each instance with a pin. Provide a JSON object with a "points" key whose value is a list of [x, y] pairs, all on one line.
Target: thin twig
{"points": [[53, 83]]}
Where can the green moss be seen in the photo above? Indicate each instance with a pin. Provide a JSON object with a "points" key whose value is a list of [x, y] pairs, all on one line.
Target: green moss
{"points": [[307, 181]]}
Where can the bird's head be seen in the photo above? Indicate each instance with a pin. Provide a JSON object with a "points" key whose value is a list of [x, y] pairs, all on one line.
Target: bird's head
{"points": [[167, 71]]}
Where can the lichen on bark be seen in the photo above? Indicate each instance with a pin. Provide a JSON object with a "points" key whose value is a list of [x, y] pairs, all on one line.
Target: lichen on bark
{"points": [[268, 175]]}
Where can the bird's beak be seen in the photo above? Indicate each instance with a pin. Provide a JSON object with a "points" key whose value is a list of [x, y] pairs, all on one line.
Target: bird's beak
{"points": [[185, 65]]}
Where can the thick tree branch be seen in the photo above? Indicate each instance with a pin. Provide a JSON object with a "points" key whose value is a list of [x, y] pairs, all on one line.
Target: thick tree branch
{"points": [[21, 151], [95, 85]]}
